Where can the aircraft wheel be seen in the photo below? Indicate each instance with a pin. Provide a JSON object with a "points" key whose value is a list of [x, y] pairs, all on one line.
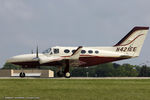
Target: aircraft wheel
{"points": [[67, 75], [22, 74], [59, 74]]}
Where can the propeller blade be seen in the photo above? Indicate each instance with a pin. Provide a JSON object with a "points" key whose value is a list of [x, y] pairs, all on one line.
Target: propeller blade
{"points": [[32, 52], [37, 52]]}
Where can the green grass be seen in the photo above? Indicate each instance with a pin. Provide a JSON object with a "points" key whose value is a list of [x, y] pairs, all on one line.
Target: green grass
{"points": [[76, 89]]}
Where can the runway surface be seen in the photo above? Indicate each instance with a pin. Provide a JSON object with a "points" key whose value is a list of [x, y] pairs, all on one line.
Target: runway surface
{"points": [[77, 78]]}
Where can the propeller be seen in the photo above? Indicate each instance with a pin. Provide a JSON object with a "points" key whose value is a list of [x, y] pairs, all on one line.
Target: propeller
{"points": [[32, 52], [37, 52]]}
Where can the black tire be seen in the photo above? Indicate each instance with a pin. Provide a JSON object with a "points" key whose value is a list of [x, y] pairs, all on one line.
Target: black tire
{"points": [[22, 74], [59, 74]]}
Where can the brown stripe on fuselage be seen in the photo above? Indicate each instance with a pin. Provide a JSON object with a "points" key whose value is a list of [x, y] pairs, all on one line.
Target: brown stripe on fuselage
{"points": [[91, 61]]}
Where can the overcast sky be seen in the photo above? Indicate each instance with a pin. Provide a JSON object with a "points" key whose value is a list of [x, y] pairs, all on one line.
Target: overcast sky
{"points": [[26, 23]]}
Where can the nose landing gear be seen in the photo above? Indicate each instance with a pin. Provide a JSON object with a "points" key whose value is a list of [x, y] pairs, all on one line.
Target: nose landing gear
{"points": [[22, 74]]}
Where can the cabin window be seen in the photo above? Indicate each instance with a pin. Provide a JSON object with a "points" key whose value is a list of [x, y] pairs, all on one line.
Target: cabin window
{"points": [[56, 51], [47, 51], [73, 51], [96, 52], [83, 51], [66, 51], [90, 51]]}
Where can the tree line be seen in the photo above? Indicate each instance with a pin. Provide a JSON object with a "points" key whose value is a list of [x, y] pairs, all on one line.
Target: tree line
{"points": [[102, 70]]}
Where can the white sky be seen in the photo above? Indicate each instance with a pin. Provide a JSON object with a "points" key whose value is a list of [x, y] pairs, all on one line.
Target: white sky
{"points": [[24, 23]]}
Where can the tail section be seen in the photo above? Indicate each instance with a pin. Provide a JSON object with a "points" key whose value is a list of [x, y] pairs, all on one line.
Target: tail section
{"points": [[132, 43]]}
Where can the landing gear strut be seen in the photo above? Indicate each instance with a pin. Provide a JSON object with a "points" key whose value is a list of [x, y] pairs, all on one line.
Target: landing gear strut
{"points": [[66, 71]]}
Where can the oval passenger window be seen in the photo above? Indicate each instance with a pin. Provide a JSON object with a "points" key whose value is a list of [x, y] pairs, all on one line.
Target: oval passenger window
{"points": [[73, 51], [96, 52], [83, 51], [66, 51], [90, 51]]}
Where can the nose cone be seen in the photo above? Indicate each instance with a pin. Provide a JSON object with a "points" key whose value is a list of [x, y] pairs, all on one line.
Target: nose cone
{"points": [[22, 58]]}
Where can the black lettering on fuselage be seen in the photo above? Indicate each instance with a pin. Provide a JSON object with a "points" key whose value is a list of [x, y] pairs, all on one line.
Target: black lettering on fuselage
{"points": [[126, 49]]}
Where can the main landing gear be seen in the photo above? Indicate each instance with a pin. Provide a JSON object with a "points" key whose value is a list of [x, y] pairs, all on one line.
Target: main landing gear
{"points": [[62, 74], [66, 72]]}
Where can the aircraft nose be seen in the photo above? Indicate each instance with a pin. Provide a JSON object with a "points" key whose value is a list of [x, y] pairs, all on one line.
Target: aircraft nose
{"points": [[13, 59]]}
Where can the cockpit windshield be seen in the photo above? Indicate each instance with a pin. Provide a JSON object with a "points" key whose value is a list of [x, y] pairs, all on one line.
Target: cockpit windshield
{"points": [[47, 51]]}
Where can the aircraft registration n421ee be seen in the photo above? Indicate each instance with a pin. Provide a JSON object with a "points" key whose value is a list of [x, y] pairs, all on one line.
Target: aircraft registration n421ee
{"points": [[128, 47]]}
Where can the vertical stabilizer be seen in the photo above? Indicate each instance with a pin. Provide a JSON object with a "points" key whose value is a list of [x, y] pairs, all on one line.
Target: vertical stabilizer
{"points": [[132, 43]]}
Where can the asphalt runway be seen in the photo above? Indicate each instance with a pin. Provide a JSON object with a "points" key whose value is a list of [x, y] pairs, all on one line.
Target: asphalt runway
{"points": [[77, 78]]}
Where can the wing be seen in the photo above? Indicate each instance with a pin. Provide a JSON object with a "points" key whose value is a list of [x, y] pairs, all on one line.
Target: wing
{"points": [[75, 56], [45, 59]]}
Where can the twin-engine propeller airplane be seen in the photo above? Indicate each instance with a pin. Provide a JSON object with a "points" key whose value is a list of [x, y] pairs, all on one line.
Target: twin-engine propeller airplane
{"points": [[128, 47]]}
